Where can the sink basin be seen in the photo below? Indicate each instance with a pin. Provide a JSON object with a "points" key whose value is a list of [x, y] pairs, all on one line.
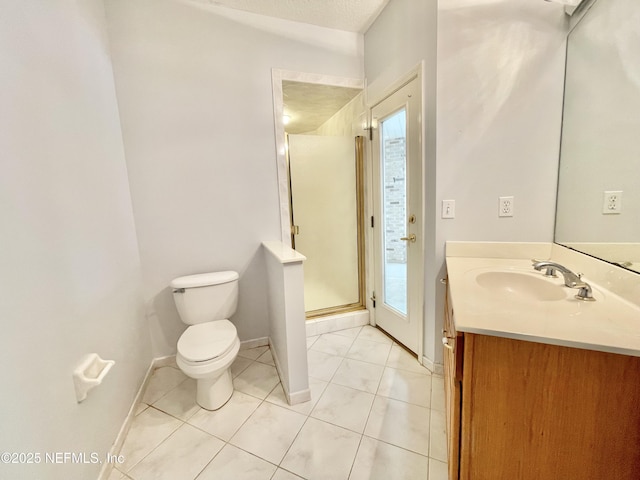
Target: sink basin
{"points": [[520, 285]]}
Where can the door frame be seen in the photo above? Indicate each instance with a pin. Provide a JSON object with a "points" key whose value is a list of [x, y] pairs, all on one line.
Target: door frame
{"points": [[415, 73]]}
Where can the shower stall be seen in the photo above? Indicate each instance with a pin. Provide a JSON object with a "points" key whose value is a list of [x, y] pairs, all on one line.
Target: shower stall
{"points": [[326, 205]]}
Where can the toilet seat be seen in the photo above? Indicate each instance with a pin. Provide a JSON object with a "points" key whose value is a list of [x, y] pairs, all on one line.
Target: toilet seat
{"points": [[207, 341]]}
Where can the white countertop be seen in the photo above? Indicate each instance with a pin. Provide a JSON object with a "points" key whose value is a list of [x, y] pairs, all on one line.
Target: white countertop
{"points": [[610, 324], [283, 253]]}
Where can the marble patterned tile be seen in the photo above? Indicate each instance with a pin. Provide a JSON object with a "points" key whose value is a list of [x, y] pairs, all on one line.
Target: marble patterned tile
{"points": [[162, 380], [322, 365], [406, 386], [344, 407], [284, 475], [239, 365], [369, 351], [148, 430], [182, 455], [359, 375], [322, 450], [326, 325], [333, 344], [372, 333], [438, 436], [181, 401], [437, 393], [115, 475], [311, 341], [403, 360], [257, 380], [438, 470], [235, 464], [311, 328], [399, 423], [269, 432], [253, 353], [141, 407], [267, 358], [349, 332], [377, 460], [315, 385], [226, 421]]}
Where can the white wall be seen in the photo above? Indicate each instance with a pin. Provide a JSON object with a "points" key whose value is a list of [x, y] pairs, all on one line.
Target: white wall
{"points": [[195, 95], [70, 270], [499, 78]]}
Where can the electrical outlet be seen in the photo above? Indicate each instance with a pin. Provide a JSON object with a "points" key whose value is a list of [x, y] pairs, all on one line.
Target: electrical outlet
{"points": [[505, 208], [448, 209], [612, 202]]}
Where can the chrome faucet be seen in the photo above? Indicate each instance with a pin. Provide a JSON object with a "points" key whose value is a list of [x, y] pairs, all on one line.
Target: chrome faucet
{"points": [[571, 280]]}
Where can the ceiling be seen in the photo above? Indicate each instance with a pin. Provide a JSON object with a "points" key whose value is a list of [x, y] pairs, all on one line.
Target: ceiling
{"points": [[349, 15], [309, 105]]}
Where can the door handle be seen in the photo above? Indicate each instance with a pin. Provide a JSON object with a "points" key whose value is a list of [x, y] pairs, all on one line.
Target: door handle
{"points": [[411, 238]]}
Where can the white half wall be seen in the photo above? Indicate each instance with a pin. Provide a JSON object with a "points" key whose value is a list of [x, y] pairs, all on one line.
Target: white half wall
{"points": [[498, 67], [70, 270], [195, 95], [287, 319]]}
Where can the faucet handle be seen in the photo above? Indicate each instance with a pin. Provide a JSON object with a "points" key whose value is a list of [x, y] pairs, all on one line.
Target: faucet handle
{"points": [[550, 271]]}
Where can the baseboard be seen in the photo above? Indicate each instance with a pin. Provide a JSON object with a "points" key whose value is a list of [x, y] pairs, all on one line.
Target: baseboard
{"points": [[256, 342], [298, 397], [114, 451], [168, 361], [293, 398], [435, 368]]}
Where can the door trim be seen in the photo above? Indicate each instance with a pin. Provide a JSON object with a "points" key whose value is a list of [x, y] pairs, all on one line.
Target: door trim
{"points": [[415, 73]]}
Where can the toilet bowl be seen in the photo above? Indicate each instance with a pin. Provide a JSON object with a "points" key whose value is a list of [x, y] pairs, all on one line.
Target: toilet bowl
{"points": [[209, 346]]}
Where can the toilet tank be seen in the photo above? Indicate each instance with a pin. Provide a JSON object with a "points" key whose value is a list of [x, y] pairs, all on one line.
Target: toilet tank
{"points": [[206, 297]]}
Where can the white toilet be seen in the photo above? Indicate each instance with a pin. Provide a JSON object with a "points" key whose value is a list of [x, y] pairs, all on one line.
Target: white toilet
{"points": [[210, 344]]}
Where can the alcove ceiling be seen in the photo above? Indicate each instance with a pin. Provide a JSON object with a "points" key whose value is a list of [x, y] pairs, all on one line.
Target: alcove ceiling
{"points": [[349, 15], [309, 105]]}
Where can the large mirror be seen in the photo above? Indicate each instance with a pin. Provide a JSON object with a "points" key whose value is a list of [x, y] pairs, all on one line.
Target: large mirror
{"points": [[598, 209]]}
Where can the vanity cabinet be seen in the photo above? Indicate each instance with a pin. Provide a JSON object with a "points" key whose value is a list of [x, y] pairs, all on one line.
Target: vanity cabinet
{"points": [[520, 410]]}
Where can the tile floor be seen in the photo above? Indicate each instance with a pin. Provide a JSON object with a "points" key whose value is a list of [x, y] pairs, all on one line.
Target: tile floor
{"points": [[375, 413]]}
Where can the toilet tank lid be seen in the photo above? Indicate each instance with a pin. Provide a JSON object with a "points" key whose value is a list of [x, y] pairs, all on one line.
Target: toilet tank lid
{"points": [[204, 279]]}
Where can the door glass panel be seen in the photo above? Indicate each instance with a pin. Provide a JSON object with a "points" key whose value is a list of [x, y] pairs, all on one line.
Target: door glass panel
{"points": [[324, 202], [393, 138]]}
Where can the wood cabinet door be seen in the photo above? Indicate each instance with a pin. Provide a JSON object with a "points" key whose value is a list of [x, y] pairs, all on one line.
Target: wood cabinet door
{"points": [[534, 411], [452, 382]]}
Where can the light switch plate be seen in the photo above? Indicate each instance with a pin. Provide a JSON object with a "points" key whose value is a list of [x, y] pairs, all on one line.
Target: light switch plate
{"points": [[448, 209]]}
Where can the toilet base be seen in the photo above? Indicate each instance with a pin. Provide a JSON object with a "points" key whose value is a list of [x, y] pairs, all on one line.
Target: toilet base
{"points": [[213, 393]]}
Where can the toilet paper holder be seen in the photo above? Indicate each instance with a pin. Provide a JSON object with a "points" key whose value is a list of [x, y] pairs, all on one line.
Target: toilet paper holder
{"points": [[89, 374]]}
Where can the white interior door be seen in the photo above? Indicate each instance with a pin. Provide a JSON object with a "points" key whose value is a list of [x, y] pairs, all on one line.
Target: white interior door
{"points": [[398, 230]]}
